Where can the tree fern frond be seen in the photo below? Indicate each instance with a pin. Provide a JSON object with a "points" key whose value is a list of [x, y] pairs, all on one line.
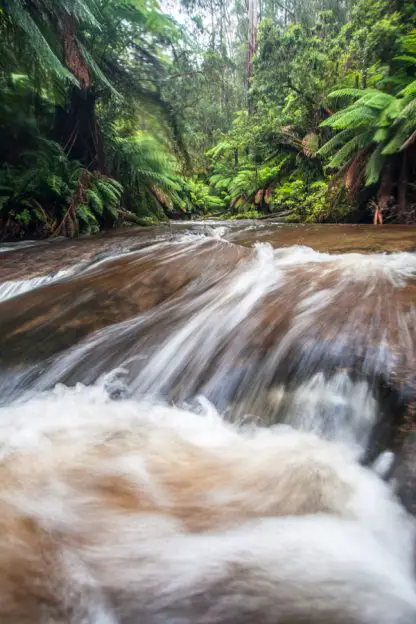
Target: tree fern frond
{"points": [[408, 111], [84, 12], [381, 134], [375, 165], [95, 69], [335, 141], [356, 118], [409, 42], [347, 150], [377, 100], [409, 90], [406, 59], [107, 192], [34, 37], [350, 93], [95, 201], [85, 214], [395, 144]]}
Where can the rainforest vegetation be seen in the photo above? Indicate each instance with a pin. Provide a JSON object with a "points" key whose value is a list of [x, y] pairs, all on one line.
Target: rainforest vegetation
{"points": [[120, 112]]}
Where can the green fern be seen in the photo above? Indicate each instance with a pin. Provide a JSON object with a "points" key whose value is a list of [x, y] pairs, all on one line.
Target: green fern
{"points": [[48, 58], [379, 123], [350, 148], [95, 200], [335, 141], [375, 166]]}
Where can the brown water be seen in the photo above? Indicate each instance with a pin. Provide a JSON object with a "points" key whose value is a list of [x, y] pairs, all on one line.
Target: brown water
{"points": [[312, 325], [45, 257]]}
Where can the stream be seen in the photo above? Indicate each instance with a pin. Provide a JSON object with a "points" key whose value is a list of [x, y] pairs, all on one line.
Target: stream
{"points": [[313, 326], [194, 420]]}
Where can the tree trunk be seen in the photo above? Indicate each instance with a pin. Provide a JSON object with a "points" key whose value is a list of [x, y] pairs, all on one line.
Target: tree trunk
{"points": [[402, 190], [212, 26], [252, 45], [383, 196], [74, 59], [76, 128]]}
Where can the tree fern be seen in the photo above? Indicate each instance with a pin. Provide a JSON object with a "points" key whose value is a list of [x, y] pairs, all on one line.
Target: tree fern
{"points": [[141, 163], [375, 165], [350, 148], [378, 124], [95, 199], [23, 21], [353, 119], [396, 142], [349, 93], [86, 215], [335, 141]]}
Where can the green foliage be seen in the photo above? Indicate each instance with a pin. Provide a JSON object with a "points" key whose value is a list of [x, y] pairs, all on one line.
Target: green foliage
{"points": [[334, 100], [194, 196], [377, 131], [289, 196], [146, 169], [111, 112], [245, 214], [35, 198], [81, 106]]}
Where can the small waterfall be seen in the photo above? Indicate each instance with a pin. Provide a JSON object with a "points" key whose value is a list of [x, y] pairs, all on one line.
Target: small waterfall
{"points": [[196, 409], [13, 288], [275, 335]]}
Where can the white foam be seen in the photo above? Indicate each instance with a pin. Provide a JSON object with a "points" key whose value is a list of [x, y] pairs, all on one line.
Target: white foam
{"points": [[346, 556], [14, 288]]}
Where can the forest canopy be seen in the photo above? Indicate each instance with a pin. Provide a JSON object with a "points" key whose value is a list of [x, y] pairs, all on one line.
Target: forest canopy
{"points": [[129, 111]]}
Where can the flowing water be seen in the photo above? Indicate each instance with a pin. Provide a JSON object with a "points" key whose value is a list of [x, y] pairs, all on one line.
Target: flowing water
{"points": [[314, 326], [142, 376]]}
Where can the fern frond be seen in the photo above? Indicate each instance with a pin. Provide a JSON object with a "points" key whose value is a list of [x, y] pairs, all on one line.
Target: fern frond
{"points": [[95, 201], [396, 143], [22, 19], [55, 183], [375, 165], [350, 93], [356, 118], [336, 140], [409, 90], [85, 214], [381, 135], [351, 147], [95, 69]]}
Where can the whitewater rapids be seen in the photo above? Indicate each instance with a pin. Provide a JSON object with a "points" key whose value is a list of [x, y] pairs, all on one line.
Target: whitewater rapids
{"points": [[126, 511], [216, 475]]}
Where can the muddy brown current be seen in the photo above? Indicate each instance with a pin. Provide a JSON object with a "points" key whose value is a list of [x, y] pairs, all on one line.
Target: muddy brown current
{"points": [[310, 325]]}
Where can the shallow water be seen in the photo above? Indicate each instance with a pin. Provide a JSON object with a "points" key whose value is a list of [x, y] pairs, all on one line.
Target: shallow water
{"points": [[313, 326]]}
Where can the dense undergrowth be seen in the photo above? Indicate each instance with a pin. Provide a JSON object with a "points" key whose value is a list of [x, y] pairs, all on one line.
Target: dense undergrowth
{"points": [[115, 112]]}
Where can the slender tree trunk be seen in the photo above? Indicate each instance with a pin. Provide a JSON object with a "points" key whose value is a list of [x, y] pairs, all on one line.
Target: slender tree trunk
{"points": [[212, 25], [402, 191], [252, 45], [383, 196]]}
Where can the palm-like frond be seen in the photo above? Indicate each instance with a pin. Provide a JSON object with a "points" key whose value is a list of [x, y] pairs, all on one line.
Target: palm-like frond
{"points": [[145, 167], [28, 30], [51, 184], [375, 166], [378, 124], [251, 183], [349, 148]]}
